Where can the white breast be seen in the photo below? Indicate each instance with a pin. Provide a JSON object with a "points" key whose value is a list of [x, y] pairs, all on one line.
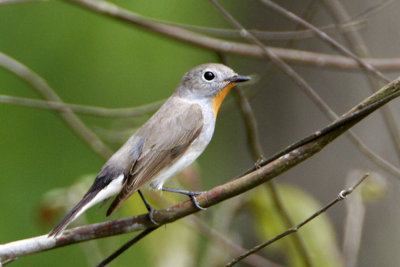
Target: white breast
{"points": [[195, 149]]}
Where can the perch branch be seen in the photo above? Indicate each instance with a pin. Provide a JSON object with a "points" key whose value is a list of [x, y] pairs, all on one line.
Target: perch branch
{"points": [[308, 90], [267, 170]]}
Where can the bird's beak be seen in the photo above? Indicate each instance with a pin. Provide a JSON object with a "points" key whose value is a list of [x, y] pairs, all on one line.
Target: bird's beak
{"points": [[238, 78]]}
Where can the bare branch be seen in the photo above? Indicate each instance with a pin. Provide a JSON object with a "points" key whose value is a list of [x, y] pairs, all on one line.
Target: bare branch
{"points": [[223, 46], [7, 2], [234, 249], [47, 92], [357, 43], [254, 144], [373, 9], [82, 109], [267, 35], [323, 37], [266, 171], [353, 223], [308, 90], [126, 246], [342, 195]]}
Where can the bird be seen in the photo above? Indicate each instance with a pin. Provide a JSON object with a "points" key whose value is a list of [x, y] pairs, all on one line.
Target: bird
{"points": [[167, 143]]}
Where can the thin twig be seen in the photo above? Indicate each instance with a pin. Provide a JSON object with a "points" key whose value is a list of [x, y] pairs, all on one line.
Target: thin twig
{"points": [[265, 172], [266, 35], [40, 85], [297, 240], [357, 43], [342, 195], [323, 37], [309, 11], [343, 120], [217, 231], [82, 109], [126, 246], [253, 137], [254, 144], [308, 90], [198, 224], [279, 63], [4, 263], [7, 2], [223, 46], [373, 9], [353, 224]]}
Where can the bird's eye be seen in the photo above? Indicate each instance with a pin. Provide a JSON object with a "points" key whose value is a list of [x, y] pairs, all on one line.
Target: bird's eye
{"points": [[208, 75]]}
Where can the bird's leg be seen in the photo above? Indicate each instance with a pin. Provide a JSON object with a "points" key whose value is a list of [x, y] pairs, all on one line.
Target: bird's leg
{"points": [[149, 208], [191, 194]]}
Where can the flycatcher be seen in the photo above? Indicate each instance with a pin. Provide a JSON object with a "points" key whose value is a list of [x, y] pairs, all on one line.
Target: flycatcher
{"points": [[167, 143]]}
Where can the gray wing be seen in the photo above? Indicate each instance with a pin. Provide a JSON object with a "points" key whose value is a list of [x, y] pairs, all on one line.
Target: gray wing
{"points": [[167, 135]]}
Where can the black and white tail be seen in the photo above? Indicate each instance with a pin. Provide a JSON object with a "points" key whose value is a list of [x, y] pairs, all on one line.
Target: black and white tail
{"points": [[73, 214], [95, 195]]}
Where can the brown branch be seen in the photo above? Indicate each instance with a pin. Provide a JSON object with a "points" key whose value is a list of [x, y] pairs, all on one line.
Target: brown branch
{"points": [[127, 245], [341, 196], [199, 225], [217, 235], [373, 9], [82, 109], [254, 144], [357, 43], [353, 223], [310, 92], [323, 36], [7, 2], [40, 85], [265, 172], [223, 46], [267, 35]]}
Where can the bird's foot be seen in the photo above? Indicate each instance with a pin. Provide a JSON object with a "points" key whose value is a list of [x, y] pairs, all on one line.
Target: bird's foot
{"points": [[149, 208], [191, 194]]}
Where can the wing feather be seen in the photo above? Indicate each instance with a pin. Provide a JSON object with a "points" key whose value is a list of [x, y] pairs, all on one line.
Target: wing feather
{"points": [[167, 135]]}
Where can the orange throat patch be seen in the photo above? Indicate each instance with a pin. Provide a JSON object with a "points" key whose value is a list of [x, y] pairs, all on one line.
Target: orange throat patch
{"points": [[220, 96]]}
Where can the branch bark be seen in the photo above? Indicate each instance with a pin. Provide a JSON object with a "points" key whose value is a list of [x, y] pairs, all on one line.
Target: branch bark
{"points": [[42, 87], [266, 171], [223, 46], [341, 196]]}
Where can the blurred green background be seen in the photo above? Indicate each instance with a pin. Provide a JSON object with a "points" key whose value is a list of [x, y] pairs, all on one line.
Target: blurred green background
{"points": [[94, 60]]}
